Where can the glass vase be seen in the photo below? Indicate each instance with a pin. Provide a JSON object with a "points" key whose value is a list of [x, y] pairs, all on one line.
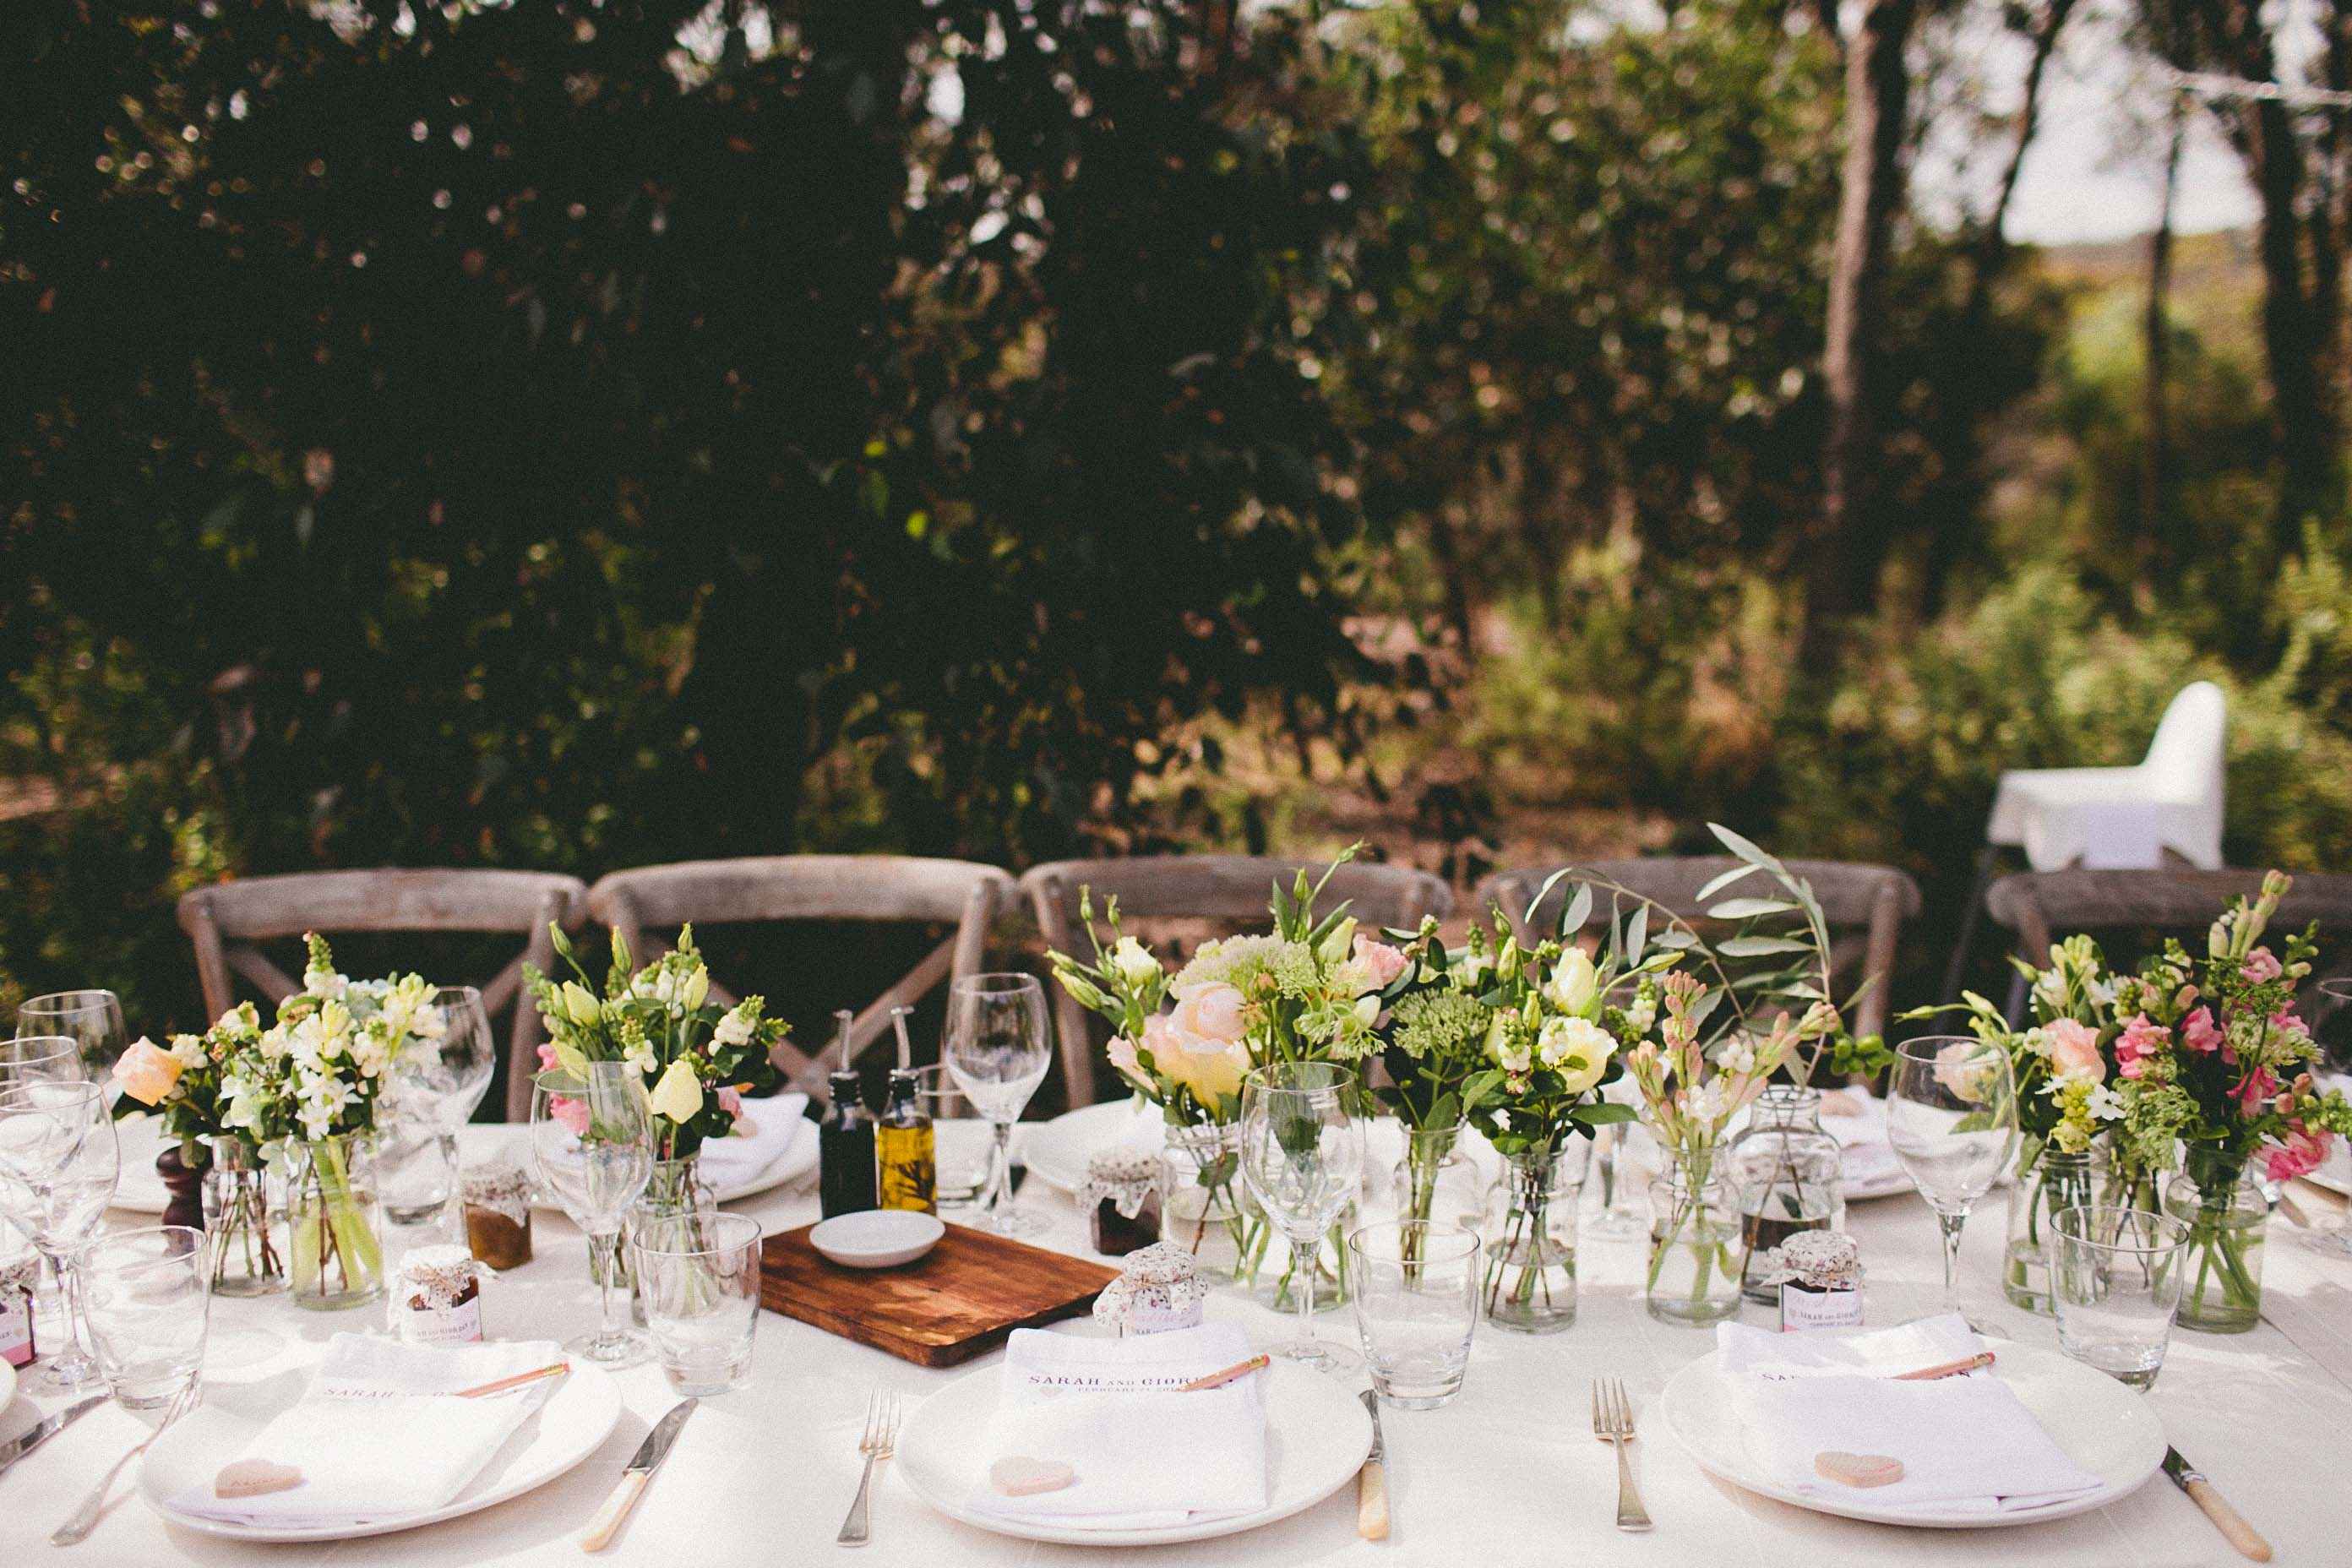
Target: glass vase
{"points": [[1693, 1276], [2049, 1182], [247, 1229], [1530, 1278], [1202, 1207], [1790, 1177], [1437, 1181], [334, 1225], [675, 1191], [2217, 1197]]}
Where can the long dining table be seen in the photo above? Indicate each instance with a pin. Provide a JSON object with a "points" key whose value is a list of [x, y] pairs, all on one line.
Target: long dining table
{"points": [[1507, 1473]]}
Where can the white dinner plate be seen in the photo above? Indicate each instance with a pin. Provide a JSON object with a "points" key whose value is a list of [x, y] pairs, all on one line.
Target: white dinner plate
{"points": [[2102, 1427], [573, 1423], [1316, 1436], [140, 1189]]}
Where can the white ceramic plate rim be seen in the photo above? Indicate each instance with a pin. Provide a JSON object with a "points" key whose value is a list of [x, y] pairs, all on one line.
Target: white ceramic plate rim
{"points": [[140, 1190], [2098, 1391], [964, 1405], [573, 1425]]}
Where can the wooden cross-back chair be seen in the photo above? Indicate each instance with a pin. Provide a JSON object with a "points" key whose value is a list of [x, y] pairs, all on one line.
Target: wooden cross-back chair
{"points": [[1858, 900], [1224, 889], [2042, 907], [224, 921], [650, 900]]}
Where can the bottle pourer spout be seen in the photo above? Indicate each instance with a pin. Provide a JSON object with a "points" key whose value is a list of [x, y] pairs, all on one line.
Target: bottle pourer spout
{"points": [[899, 1016], [841, 1018]]}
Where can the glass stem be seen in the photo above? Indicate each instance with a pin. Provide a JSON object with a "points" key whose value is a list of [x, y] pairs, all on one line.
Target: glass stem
{"points": [[1950, 1225], [610, 1246], [1000, 1173], [1302, 1275], [69, 1295]]}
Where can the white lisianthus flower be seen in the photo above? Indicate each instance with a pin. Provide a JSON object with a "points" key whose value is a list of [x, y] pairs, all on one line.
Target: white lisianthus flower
{"points": [[1574, 982], [1133, 963], [678, 1094], [581, 1003], [695, 988]]}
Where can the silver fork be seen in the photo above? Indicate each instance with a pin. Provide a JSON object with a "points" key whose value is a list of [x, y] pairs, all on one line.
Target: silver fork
{"points": [[1612, 1422], [85, 1518], [881, 1441]]}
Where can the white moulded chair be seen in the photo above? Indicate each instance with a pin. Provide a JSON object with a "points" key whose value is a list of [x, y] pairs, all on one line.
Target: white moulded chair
{"points": [[2124, 819], [2112, 819]]}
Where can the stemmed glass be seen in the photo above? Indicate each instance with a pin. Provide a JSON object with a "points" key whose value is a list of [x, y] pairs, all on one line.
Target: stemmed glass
{"points": [[997, 1052], [40, 1059], [591, 1138], [92, 1019], [59, 1164], [1303, 1157], [435, 1087], [2333, 1028], [1951, 1114]]}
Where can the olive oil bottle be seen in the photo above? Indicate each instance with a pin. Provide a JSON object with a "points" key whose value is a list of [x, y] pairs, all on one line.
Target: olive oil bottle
{"points": [[905, 1154], [845, 1139]]}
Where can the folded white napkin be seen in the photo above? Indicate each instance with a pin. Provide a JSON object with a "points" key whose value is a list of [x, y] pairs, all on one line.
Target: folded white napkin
{"points": [[377, 1435], [1144, 1455], [1967, 1444], [751, 1154]]}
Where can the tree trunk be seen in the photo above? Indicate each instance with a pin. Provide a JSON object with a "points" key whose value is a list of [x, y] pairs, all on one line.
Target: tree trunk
{"points": [[2153, 546], [1991, 248], [2292, 341], [1841, 573]]}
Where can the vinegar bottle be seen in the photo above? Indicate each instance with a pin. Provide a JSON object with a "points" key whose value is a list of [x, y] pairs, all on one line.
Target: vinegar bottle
{"points": [[845, 1141]]}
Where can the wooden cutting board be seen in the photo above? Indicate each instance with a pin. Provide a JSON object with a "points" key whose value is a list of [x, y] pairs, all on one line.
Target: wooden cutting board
{"points": [[964, 1296]]}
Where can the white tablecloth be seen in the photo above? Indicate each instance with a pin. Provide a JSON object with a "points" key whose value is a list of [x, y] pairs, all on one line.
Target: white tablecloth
{"points": [[1507, 1474]]}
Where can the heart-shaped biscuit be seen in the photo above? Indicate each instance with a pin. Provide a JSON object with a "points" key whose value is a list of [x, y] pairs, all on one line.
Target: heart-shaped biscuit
{"points": [[252, 1478], [1020, 1476], [1858, 1469]]}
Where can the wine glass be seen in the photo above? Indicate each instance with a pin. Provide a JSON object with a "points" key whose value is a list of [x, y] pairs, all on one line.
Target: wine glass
{"points": [[92, 1018], [2333, 1030], [59, 1165], [997, 1051], [1951, 1114], [435, 1085], [591, 1138], [40, 1059], [1302, 1157]]}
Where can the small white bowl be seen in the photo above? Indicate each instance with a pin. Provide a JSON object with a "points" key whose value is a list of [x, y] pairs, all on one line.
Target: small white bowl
{"points": [[877, 1239]]}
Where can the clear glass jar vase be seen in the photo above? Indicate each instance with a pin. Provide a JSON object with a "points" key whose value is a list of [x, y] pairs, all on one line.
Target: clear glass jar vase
{"points": [[334, 1224], [2217, 1197], [2049, 1182], [1203, 1206], [1694, 1275], [1530, 1285], [675, 1188], [1789, 1174], [247, 1229], [1437, 1181]]}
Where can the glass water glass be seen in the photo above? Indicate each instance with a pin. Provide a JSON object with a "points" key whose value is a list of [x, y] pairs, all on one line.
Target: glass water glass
{"points": [[92, 1019], [415, 1168], [2115, 1278], [1951, 1115], [964, 1145], [699, 1277], [59, 1166], [1416, 1284], [1302, 1153], [592, 1140], [999, 1044], [144, 1295]]}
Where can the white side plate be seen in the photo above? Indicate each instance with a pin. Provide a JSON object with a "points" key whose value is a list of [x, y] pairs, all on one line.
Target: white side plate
{"points": [[2102, 1427], [1316, 1437], [573, 1423]]}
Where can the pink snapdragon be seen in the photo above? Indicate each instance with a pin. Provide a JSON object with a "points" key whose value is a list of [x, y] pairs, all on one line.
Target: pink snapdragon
{"points": [[572, 1111], [2199, 1033], [2302, 1152], [730, 1100], [2142, 1039], [2253, 1095], [2261, 966]]}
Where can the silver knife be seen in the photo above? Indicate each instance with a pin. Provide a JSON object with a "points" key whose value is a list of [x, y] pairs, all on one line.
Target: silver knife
{"points": [[1373, 1481], [10, 1452], [650, 1454], [2226, 1520]]}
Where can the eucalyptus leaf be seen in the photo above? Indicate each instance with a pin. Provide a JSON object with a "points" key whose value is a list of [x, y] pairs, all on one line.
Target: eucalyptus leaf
{"points": [[1750, 909], [1717, 884], [1760, 946]]}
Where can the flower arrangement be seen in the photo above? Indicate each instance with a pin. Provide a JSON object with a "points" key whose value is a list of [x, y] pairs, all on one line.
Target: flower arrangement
{"points": [[2212, 1059], [698, 1058], [181, 1081]]}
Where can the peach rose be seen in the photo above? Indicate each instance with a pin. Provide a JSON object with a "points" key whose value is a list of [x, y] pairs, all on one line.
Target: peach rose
{"points": [[1200, 1045], [1965, 1069], [2074, 1051], [1211, 1012], [1380, 962], [147, 1072]]}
